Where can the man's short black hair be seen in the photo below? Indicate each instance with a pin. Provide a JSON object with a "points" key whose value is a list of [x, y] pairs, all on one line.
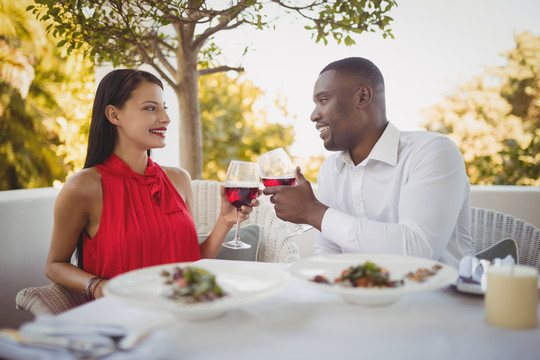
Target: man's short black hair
{"points": [[363, 68]]}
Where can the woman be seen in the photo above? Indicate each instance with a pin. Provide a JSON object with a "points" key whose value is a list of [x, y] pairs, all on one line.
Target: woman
{"points": [[123, 211]]}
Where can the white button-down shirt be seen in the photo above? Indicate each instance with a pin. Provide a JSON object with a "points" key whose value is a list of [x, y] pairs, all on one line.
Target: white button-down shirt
{"points": [[410, 196]]}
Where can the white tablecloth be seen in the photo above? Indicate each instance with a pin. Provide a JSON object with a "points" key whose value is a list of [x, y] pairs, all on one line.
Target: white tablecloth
{"points": [[304, 323]]}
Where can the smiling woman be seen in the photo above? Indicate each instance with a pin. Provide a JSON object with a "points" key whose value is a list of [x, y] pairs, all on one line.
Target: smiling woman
{"points": [[123, 211], [143, 113]]}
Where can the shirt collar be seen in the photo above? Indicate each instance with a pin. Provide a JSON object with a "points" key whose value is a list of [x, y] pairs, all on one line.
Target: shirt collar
{"points": [[385, 149]]}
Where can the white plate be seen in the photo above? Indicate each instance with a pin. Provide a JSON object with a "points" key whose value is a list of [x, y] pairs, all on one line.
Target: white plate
{"points": [[398, 266], [243, 281]]}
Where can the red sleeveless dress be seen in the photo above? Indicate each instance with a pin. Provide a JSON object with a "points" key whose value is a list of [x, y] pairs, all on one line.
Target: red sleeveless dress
{"points": [[144, 222]]}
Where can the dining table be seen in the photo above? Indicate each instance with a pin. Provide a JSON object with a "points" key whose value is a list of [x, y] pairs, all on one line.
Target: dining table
{"points": [[302, 322]]}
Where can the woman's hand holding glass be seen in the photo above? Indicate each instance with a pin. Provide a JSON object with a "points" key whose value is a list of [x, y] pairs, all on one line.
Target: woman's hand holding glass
{"points": [[230, 213], [241, 189]]}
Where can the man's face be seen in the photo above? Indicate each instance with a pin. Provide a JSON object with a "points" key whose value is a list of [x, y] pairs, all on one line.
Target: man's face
{"points": [[335, 114]]}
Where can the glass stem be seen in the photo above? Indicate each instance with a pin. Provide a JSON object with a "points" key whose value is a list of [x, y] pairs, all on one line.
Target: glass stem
{"points": [[237, 236]]}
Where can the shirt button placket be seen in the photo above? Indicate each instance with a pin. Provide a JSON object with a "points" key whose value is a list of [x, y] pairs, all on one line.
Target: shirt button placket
{"points": [[357, 181]]}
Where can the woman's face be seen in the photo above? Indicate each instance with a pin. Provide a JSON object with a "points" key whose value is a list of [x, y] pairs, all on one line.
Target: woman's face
{"points": [[142, 121]]}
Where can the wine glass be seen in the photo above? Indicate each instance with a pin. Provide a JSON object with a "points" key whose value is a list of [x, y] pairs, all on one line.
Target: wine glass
{"points": [[241, 186], [277, 169]]}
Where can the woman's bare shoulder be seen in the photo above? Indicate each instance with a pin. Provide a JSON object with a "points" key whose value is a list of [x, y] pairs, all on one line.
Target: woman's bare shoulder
{"points": [[181, 181], [85, 184], [178, 176]]}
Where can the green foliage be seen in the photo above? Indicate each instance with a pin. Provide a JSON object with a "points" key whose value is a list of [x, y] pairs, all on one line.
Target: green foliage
{"points": [[495, 119], [38, 87], [339, 18], [124, 31], [232, 128], [27, 156]]}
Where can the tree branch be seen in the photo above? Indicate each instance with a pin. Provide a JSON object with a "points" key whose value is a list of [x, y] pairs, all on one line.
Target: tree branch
{"points": [[219, 69], [297, 8], [143, 49], [228, 15], [165, 44], [164, 61], [150, 61]]}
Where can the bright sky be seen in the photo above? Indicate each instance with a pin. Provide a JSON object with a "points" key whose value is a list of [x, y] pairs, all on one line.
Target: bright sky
{"points": [[438, 44]]}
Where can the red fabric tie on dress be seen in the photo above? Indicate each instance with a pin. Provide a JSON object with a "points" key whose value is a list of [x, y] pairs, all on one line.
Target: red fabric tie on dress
{"points": [[160, 190]]}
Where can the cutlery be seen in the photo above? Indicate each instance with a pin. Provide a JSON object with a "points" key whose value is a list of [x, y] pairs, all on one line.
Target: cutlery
{"points": [[83, 349], [109, 338]]}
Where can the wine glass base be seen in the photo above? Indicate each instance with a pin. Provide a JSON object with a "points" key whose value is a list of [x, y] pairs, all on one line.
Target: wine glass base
{"points": [[235, 244], [299, 229]]}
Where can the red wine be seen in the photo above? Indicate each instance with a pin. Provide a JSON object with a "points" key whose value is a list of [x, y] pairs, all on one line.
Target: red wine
{"points": [[285, 181], [239, 196]]}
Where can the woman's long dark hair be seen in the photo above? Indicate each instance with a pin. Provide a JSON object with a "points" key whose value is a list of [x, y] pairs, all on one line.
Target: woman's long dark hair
{"points": [[114, 89]]}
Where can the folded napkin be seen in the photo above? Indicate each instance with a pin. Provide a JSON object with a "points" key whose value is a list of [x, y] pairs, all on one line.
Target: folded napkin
{"points": [[473, 272], [61, 340], [471, 267]]}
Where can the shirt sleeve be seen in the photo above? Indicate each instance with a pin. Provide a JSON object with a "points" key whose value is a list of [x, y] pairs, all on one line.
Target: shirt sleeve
{"points": [[429, 205], [324, 245]]}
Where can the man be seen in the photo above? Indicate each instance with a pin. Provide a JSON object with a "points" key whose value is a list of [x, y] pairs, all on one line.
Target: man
{"points": [[385, 190]]}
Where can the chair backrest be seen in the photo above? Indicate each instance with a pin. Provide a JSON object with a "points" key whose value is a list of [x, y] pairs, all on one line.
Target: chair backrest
{"points": [[489, 227], [274, 246]]}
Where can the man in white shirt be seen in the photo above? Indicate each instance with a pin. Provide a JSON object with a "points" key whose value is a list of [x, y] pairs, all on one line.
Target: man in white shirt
{"points": [[385, 190]]}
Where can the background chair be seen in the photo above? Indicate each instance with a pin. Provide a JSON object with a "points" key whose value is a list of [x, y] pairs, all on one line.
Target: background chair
{"points": [[489, 227], [274, 246]]}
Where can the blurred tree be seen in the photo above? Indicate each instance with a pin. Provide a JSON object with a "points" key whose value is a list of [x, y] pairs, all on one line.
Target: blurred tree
{"points": [[495, 118], [177, 38], [233, 127], [27, 156], [75, 94], [310, 166], [38, 89]]}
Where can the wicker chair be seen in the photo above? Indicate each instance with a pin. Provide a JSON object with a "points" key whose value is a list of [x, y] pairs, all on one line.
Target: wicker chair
{"points": [[488, 227], [274, 246], [48, 299]]}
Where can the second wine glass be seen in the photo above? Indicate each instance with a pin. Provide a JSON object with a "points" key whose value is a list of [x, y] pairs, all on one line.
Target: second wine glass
{"points": [[277, 169], [241, 186]]}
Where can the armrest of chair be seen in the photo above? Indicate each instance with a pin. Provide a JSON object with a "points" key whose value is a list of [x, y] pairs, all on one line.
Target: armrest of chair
{"points": [[48, 299]]}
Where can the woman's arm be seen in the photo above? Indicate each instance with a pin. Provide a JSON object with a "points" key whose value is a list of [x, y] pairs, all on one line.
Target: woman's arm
{"points": [[77, 208]]}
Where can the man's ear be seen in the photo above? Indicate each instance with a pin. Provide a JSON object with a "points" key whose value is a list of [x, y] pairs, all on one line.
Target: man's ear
{"points": [[111, 112], [363, 95]]}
